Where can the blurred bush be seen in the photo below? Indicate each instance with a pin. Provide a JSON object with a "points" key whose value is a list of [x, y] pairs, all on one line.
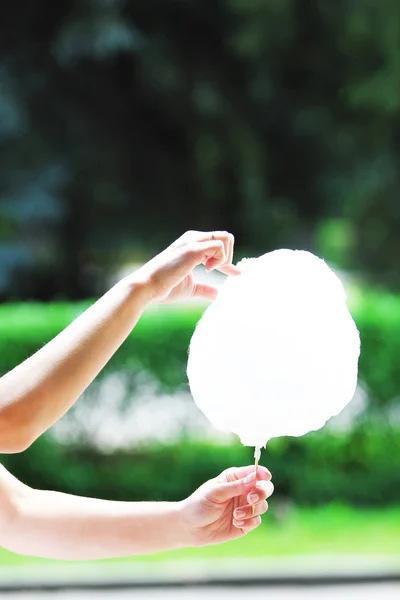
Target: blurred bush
{"points": [[360, 468], [359, 465], [277, 120]]}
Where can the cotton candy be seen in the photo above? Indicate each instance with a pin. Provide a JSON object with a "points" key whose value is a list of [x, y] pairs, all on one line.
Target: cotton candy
{"points": [[276, 354]]}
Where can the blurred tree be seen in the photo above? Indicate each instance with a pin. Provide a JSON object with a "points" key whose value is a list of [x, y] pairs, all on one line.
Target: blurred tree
{"points": [[135, 121]]}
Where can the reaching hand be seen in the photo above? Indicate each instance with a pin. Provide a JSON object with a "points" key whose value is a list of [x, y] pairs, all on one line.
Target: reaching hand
{"points": [[228, 506], [169, 275]]}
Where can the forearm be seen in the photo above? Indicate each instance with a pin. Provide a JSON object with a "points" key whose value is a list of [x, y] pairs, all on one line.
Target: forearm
{"points": [[59, 526], [39, 391]]}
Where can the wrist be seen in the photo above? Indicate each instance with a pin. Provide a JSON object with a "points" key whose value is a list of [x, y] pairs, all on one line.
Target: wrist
{"points": [[139, 288], [185, 536], [189, 532]]}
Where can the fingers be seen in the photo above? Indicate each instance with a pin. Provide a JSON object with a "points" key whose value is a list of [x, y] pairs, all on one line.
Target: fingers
{"points": [[247, 517], [228, 241], [226, 490], [250, 525], [262, 491], [217, 256], [230, 250], [202, 290], [257, 504], [235, 473], [208, 253], [236, 481], [244, 516], [242, 482], [230, 270]]}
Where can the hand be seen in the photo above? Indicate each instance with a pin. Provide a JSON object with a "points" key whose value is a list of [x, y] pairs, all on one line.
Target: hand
{"points": [[225, 508], [169, 277]]}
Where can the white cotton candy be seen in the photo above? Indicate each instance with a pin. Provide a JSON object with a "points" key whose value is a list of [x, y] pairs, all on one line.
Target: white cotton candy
{"points": [[277, 352]]}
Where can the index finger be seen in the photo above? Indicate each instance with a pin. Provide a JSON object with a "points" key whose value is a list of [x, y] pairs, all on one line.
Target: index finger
{"points": [[235, 473], [229, 270], [228, 241]]}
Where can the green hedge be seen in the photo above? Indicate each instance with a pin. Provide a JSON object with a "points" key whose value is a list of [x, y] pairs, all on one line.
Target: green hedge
{"points": [[361, 467], [158, 343], [160, 340]]}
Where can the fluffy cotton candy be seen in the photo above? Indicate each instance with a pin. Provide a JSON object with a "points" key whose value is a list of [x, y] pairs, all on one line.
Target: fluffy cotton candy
{"points": [[277, 353]]}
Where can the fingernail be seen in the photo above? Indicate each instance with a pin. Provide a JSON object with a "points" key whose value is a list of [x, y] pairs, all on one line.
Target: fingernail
{"points": [[239, 514], [239, 523], [253, 498]]}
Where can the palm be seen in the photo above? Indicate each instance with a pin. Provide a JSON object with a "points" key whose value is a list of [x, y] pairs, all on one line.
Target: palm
{"points": [[214, 519], [182, 291], [229, 506], [221, 528]]}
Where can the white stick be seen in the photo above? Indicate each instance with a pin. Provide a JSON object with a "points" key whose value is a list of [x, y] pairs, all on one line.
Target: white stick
{"points": [[257, 456]]}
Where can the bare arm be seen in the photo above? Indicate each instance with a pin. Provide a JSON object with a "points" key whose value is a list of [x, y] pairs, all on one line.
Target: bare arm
{"points": [[39, 391], [60, 526]]}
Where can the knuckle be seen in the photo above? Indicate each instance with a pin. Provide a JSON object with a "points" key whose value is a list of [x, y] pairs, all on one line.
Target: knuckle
{"points": [[219, 255], [267, 489], [222, 249], [229, 473], [191, 249], [189, 233], [226, 239], [253, 523]]}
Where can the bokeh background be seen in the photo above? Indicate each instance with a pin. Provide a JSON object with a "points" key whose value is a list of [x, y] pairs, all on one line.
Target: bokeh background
{"points": [[123, 124]]}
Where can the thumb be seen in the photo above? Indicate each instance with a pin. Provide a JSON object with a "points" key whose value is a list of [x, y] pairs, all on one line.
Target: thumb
{"points": [[224, 491]]}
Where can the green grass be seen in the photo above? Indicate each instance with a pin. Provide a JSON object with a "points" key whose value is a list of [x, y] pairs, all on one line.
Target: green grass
{"points": [[329, 530]]}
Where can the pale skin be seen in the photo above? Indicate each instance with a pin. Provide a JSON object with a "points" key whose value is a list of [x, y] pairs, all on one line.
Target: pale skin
{"points": [[39, 391]]}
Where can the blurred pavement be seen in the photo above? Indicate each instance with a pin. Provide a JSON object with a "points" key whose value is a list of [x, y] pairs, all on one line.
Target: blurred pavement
{"points": [[176, 576], [362, 592]]}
